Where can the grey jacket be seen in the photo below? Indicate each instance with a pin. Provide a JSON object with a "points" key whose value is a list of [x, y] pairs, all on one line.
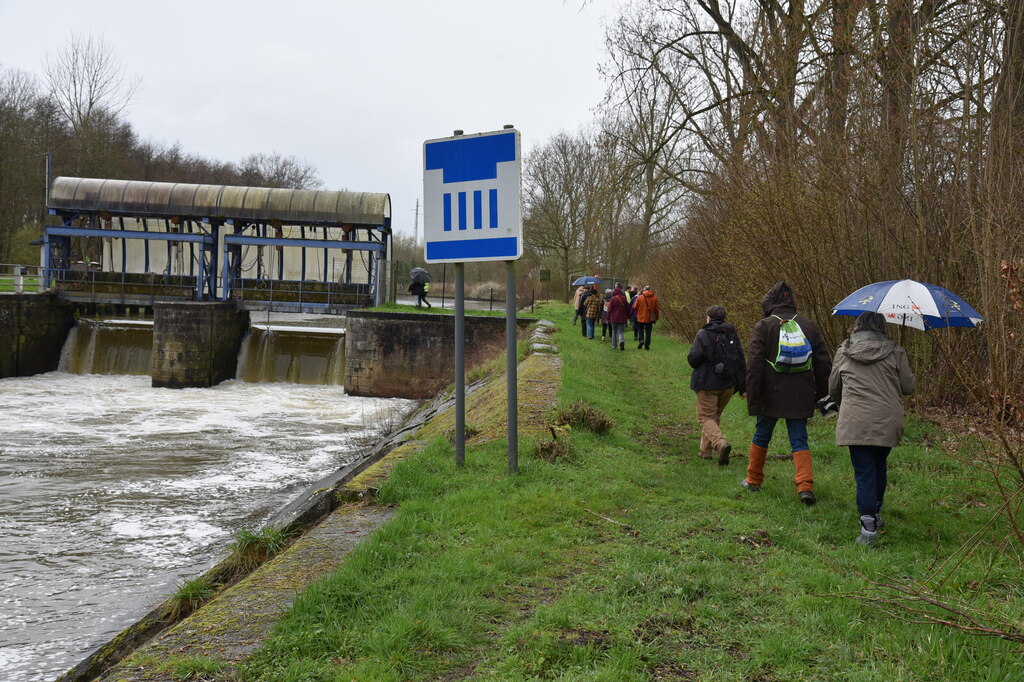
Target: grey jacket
{"points": [[870, 375]]}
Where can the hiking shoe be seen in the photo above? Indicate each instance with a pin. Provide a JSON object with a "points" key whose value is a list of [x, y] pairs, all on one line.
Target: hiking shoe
{"points": [[750, 487], [622, 345], [704, 455], [868, 530], [639, 346], [866, 538], [723, 454], [808, 498]]}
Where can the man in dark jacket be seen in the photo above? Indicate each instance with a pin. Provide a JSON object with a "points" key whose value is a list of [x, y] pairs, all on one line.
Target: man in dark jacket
{"points": [[774, 395], [719, 370]]}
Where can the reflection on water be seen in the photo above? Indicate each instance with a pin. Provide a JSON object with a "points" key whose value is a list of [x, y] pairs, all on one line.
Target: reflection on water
{"points": [[112, 492]]}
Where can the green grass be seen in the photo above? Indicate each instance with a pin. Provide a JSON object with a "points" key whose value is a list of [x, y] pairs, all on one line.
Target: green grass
{"points": [[29, 283], [499, 311], [249, 549], [189, 596], [635, 560]]}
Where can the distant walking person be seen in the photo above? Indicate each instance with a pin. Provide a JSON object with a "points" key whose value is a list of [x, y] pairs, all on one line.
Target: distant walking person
{"points": [[869, 378], [576, 302], [605, 324], [581, 310], [633, 293], [719, 370], [788, 367], [647, 314], [419, 290], [594, 305], [618, 315]]}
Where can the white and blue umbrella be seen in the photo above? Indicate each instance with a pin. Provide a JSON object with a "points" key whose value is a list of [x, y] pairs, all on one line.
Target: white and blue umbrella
{"points": [[910, 303], [586, 279]]}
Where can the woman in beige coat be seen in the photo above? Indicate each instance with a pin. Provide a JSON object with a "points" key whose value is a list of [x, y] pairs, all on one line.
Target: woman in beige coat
{"points": [[870, 375]]}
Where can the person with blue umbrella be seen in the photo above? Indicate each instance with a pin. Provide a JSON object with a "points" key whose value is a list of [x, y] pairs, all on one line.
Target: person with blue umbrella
{"points": [[870, 375]]}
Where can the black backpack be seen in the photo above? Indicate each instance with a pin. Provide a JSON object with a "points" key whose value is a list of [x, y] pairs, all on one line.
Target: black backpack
{"points": [[728, 356]]}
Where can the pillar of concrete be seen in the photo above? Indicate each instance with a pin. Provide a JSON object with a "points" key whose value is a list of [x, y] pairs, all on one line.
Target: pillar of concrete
{"points": [[33, 328], [195, 343]]}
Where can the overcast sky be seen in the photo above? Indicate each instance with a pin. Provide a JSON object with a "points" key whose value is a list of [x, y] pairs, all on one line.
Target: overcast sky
{"points": [[352, 87]]}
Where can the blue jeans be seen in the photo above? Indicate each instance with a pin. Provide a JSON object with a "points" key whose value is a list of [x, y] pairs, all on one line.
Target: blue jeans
{"points": [[870, 463], [618, 334], [590, 328], [796, 429]]}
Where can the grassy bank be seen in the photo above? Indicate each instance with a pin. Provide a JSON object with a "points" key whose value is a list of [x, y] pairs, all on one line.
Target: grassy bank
{"points": [[635, 560]]}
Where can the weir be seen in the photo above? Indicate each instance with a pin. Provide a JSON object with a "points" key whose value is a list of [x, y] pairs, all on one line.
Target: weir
{"points": [[269, 353]]}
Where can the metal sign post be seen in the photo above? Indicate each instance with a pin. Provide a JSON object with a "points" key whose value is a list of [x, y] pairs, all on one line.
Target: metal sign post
{"points": [[460, 364], [511, 367], [472, 211]]}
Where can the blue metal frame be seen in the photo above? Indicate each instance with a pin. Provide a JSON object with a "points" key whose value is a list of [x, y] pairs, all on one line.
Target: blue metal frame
{"points": [[207, 280]]}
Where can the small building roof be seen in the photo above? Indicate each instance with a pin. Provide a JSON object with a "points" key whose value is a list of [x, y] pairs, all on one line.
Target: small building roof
{"points": [[227, 202]]}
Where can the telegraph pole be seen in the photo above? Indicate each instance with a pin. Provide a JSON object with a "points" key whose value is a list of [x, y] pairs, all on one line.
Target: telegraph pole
{"points": [[416, 223]]}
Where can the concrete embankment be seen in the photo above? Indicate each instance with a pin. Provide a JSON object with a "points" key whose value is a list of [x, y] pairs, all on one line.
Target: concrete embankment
{"points": [[231, 626]]}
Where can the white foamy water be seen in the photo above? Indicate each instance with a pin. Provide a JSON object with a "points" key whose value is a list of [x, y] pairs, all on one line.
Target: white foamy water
{"points": [[112, 492]]}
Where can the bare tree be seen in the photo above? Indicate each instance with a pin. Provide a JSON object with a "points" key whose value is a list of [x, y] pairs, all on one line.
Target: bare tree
{"points": [[277, 170], [562, 195], [86, 79]]}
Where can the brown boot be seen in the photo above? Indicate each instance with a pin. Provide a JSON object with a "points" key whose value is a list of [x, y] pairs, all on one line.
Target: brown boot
{"points": [[755, 466], [804, 476]]}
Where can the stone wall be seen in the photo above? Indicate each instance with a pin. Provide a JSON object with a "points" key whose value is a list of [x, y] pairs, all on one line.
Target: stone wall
{"points": [[409, 355], [195, 343], [33, 328]]}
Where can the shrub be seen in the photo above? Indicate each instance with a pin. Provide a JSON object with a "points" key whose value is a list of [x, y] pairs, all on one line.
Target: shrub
{"points": [[250, 549], [555, 449], [582, 415], [487, 290], [189, 596]]}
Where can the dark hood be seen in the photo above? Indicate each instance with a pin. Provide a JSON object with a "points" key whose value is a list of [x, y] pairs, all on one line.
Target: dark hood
{"points": [[719, 327], [779, 299]]}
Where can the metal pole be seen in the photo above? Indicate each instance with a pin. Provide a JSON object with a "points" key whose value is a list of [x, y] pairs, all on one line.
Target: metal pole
{"points": [[49, 176], [511, 367], [460, 365]]}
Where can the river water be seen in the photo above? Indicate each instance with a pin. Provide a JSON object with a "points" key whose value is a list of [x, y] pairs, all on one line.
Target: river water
{"points": [[113, 492]]}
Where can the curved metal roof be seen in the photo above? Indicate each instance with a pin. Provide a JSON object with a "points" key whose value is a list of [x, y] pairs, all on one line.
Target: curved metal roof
{"points": [[290, 206]]}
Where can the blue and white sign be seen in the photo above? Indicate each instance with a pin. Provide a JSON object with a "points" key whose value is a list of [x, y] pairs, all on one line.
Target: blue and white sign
{"points": [[472, 190]]}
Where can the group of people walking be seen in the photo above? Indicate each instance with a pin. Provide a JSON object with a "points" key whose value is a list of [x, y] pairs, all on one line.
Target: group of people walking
{"points": [[788, 373], [614, 311]]}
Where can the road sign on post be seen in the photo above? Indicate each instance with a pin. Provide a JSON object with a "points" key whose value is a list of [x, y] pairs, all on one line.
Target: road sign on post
{"points": [[471, 198], [472, 211]]}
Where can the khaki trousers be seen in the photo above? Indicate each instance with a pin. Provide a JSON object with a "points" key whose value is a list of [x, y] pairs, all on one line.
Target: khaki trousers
{"points": [[710, 406]]}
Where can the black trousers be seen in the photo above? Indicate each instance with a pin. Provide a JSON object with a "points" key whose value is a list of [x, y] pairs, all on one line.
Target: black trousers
{"points": [[644, 333]]}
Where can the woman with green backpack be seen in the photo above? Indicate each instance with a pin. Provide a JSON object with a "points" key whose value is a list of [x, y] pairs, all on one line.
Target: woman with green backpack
{"points": [[788, 366]]}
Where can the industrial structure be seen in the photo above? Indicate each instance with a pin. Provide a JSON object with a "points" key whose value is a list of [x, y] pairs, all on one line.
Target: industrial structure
{"points": [[275, 249]]}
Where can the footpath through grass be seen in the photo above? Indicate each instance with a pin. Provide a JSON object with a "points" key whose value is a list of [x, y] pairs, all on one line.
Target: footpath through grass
{"points": [[635, 560]]}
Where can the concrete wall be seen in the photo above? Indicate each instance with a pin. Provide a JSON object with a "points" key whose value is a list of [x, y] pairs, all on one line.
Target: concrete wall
{"points": [[408, 355], [195, 343], [33, 328]]}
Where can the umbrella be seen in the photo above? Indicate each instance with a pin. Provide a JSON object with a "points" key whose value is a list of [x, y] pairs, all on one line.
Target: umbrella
{"points": [[910, 303], [586, 279], [419, 275]]}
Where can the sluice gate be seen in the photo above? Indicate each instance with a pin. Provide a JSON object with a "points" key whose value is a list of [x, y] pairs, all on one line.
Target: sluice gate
{"points": [[268, 353]]}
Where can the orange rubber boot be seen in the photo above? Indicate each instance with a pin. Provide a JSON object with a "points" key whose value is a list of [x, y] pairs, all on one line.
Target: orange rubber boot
{"points": [[755, 467], [804, 474]]}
